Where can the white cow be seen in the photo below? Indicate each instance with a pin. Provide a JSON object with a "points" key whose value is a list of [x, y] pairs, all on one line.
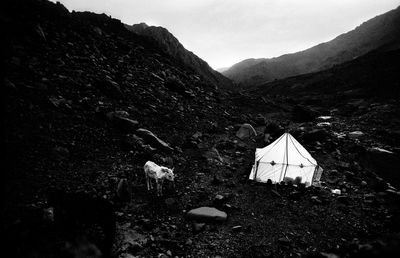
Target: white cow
{"points": [[159, 174]]}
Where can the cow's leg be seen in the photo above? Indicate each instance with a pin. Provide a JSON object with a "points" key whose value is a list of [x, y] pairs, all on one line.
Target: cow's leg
{"points": [[161, 187], [158, 188], [148, 183]]}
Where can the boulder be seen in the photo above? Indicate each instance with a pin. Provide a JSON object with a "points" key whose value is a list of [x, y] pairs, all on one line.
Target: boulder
{"points": [[213, 155], [274, 130], [315, 135], [121, 121], [135, 143], [303, 114], [260, 119], [384, 163], [153, 140], [207, 214], [246, 131], [123, 190], [218, 200], [130, 241], [176, 85], [109, 87]]}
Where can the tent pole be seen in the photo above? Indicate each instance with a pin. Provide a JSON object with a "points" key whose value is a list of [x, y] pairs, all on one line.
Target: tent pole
{"points": [[314, 174], [256, 169], [287, 156]]}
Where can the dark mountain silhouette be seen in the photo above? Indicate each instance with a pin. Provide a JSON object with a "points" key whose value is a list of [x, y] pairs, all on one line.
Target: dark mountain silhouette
{"points": [[374, 75], [172, 46], [381, 30]]}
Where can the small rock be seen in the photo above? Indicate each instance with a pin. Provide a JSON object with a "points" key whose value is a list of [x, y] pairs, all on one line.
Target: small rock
{"points": [[237, 228], [260, 119], [315, 135], [324, 118], [218, 200], [393, 192], [126, 255], [284, 241], [336, 191], [216, 180], [109, 87], [197, 227], [170, 202], [295, 195], [61, 152], [276, 193], [316, 200], [273, 130], [213, 155], [343, 199], [355, 134], [329, 255]]}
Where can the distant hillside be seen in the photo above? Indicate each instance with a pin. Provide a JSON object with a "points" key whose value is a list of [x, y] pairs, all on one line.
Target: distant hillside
{"points": [[222, 69], [172, 46], [381, 30], [374, 75]]}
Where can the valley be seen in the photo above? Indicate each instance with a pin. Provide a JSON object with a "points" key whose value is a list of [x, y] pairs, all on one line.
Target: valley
{"points": [[88, 102]]}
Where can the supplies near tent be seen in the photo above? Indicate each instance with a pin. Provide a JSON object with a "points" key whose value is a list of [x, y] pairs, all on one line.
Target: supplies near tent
{"points": [[285, 160], [246, 131]]}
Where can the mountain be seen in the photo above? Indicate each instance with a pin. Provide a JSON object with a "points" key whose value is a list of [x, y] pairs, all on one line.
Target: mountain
{"points": [[173, 47], [222, 69], [77, 87], [374, 75], [381, 30]]}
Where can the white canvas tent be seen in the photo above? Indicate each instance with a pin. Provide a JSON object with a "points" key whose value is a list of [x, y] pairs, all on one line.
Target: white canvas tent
{"points": [[285, 159]]}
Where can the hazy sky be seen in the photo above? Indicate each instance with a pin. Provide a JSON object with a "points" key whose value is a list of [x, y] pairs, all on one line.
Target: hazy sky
{"points": [[224, 32]]}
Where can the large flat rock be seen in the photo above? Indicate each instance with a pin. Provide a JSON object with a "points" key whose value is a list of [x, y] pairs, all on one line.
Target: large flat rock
{"points": [[153, 140], [207, 214]]}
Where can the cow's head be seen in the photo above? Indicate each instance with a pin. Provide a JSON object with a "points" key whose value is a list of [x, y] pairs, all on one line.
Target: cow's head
{"points": [[169, 174]]}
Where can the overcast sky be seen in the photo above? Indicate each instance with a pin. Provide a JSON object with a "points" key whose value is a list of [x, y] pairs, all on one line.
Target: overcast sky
{"points": [[224, 32]]}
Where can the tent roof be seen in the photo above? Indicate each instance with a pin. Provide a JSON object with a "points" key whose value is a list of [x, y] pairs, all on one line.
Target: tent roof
{"points": [[285, 150]]}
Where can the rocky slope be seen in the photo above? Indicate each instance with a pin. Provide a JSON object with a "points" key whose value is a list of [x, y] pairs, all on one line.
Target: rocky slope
{"points": [[78, 87], [172, 46], [381, 30], [87, 103]]}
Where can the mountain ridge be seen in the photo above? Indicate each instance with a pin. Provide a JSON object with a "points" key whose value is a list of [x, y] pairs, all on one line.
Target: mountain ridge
{"points": [[373, 75], [170, 44], [369, 35]]}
